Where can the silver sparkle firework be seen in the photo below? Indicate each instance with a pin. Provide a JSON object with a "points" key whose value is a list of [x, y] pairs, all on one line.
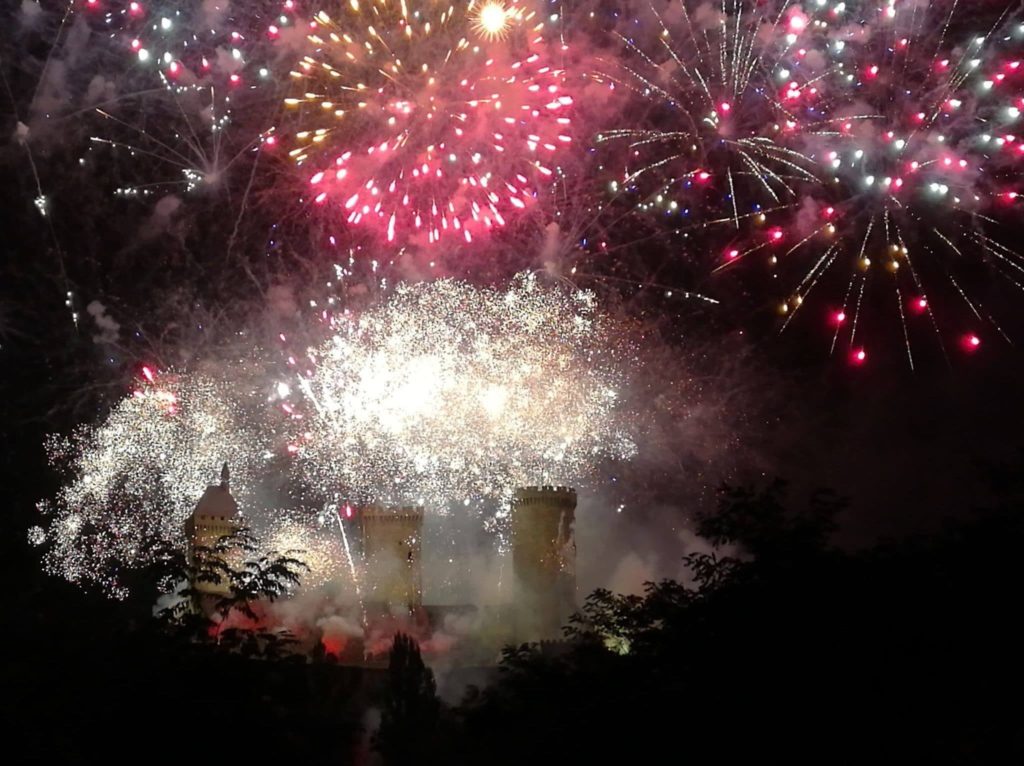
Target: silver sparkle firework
{"points": [[441, 392], [136, 477], [448, 392], [312, 538]]}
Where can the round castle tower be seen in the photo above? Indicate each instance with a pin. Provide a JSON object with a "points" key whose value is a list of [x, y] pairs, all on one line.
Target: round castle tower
{"points": [[544, 560], [216, 516]]}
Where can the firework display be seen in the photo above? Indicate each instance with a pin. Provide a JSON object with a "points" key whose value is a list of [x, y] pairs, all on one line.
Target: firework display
{"points": [[871, 138], [137, 476], [215, 41], [427, 120], [843, 160], [200, 88], [710, 77], [311, 537], [442, 393], [448, 392]]}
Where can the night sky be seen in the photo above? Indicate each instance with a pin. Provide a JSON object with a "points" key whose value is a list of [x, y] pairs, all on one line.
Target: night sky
{"points": [[909, 448]]}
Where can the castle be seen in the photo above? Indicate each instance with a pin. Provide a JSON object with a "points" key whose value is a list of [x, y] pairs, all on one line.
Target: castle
{"points": [[543, 552]]}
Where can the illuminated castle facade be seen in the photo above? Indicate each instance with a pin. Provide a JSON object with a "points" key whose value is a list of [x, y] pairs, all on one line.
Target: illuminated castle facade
{"points": [[544, 560], [392, 547]]}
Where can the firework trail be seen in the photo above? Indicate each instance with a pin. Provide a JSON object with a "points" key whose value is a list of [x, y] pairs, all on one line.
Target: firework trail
{"points": [[426, 120], [871, 139]]}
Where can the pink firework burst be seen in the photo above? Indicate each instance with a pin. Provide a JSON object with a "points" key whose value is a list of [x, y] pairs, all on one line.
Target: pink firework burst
{"points": [[415, 119]]}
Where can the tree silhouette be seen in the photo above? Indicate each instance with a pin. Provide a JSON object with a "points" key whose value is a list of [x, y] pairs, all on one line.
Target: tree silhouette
{"points": [[761, 520], [409, 720], [787, 651], [248, 579]]}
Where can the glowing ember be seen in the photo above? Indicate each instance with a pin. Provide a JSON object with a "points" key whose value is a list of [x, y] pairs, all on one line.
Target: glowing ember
{"points": [[492, 20]]}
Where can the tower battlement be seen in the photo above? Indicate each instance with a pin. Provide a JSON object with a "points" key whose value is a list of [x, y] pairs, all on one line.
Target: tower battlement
{"points": [[381, 514], [544, 495]]}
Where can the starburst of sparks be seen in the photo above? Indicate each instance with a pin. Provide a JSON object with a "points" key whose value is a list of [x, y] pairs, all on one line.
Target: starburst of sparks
{"points": [[710, 78], [491, 19], [876, 138], [453, 393], [413, 125], [196, 96]]}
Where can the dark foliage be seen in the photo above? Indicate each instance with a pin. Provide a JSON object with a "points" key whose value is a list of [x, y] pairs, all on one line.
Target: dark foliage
{"points": [[245, 582], [409, 721], [802, 653]]}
